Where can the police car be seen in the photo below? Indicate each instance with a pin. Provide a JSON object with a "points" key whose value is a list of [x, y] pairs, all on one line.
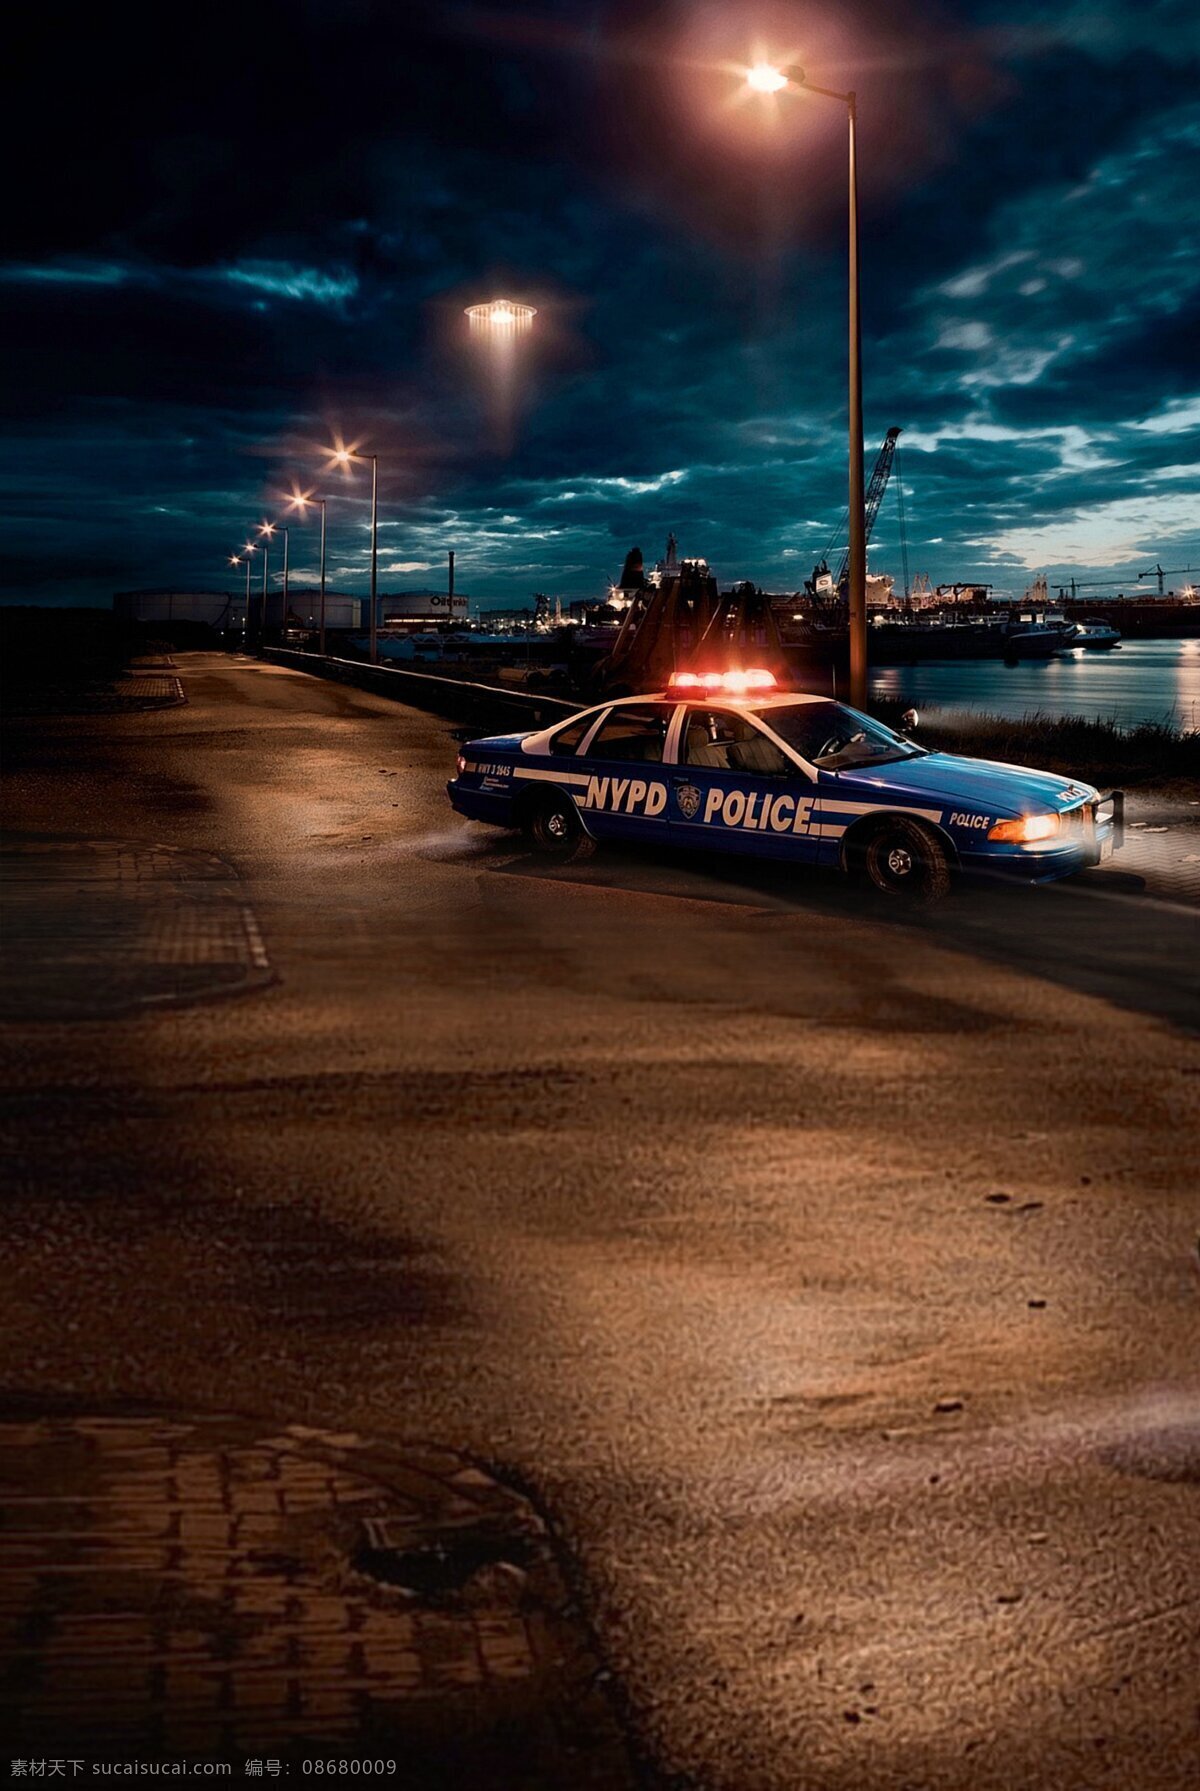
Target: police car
{"points": [[727, 762]]}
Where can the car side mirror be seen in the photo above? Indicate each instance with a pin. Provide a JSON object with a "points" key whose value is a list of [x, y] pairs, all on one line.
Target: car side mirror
{"points": [[909, 720]]}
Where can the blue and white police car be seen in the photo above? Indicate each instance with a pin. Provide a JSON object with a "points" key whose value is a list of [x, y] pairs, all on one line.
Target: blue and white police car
{"points": [[729, 763]]}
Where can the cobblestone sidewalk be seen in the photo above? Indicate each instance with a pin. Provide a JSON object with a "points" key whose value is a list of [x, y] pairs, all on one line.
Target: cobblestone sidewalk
{"points": [[208, 1588], [95, 928]]}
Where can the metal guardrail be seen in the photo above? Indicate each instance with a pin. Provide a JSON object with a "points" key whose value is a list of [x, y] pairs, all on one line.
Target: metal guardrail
{"points": [[487, 705]]}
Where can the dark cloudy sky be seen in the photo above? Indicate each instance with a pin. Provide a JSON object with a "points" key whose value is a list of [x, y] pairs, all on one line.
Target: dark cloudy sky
{"points": [[229, 240]]}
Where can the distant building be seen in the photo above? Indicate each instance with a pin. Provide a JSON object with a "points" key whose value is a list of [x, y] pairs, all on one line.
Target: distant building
{"points": [[422, 607], [225, 611], [500, 619]]}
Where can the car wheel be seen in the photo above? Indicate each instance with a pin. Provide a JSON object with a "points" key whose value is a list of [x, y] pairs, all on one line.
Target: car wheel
{"points": [[554, 830], [906, 862]]}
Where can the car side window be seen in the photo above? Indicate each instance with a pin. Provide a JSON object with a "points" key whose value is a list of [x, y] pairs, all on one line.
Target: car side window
{"points": [[635, 735], [723, 740], [567, 739]]}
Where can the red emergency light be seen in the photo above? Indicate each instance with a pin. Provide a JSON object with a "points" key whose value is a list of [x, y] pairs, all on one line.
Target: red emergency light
{"points": [[724, 683]]}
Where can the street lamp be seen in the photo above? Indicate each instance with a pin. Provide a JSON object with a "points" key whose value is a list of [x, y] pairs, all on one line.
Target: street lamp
{"points": [[300, 502], [268, 530], [764, 78], [343, 457]]}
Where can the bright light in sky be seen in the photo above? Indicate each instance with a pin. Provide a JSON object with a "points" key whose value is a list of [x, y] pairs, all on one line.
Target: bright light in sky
{"points": [[504, 313]]}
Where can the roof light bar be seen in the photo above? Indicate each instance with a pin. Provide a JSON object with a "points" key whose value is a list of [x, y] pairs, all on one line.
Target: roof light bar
{"points": [[730, 683]]}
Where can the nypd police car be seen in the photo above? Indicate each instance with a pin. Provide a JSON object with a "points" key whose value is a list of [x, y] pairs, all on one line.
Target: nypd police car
{"points": [[728, 763]]}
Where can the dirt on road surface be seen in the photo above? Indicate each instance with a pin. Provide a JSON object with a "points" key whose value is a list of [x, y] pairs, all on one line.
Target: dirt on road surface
{"points": [[831, 1280]]}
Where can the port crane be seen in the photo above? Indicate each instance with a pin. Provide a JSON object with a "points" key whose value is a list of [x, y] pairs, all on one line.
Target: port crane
{"points": [[675, 618], [825, 585], [1171, 572]]}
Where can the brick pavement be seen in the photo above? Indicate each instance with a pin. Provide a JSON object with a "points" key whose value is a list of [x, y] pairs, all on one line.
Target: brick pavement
{"points": [[207, 1587], [1162, 841], [95, 928]]}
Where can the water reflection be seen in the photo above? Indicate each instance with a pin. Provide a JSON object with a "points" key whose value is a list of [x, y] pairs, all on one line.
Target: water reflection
{"points": [[1138, 681]]}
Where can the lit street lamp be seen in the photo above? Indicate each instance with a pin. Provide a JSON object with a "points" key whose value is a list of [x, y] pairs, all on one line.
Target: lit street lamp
{"points": [[266, 529], [235, 559], [342, 456], [300, 502], [247, 550], [763, 78]]}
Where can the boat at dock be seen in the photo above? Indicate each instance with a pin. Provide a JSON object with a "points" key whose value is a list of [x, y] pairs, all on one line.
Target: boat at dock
{"points": [[1036, 640], [1094, 634]]}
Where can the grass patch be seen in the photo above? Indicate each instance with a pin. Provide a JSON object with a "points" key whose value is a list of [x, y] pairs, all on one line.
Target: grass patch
{"points": [[1098, 751]]}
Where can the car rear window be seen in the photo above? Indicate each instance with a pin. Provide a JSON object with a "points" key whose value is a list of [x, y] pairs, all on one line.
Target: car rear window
{"points": [[567, 739]]}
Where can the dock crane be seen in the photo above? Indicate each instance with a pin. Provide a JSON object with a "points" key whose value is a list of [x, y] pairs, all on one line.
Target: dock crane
{"points": [[1171, 572], [825, 585]]}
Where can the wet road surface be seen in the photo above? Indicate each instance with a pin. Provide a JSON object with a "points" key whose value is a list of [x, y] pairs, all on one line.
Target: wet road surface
{"points": [[833, 1280]]}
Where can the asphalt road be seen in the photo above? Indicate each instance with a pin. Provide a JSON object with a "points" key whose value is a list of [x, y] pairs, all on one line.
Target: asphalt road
{"points": [[690, 1193]]}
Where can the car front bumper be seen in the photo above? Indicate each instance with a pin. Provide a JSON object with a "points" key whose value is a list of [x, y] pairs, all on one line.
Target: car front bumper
{"points": [[1096, 830]]}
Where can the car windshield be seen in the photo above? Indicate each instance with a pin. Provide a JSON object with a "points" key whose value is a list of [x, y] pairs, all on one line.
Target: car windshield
{"points": [[834, 737]]}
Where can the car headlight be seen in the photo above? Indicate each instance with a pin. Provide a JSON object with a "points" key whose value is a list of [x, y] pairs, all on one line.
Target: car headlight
{"points": [[1026, 829]]}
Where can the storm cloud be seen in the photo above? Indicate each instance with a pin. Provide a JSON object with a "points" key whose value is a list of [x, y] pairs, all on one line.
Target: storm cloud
{"points": [[215, 263]]}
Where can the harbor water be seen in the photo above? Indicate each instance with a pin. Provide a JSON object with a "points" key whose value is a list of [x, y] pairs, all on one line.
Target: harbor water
{"points": [[1139, 681]]}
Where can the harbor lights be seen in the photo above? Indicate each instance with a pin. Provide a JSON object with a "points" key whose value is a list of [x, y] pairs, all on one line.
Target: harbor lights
{"points": [[764, 78], [346, 457]]}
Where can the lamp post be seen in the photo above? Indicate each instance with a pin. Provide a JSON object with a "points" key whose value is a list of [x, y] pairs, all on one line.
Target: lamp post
{"points": [[342, 456], [248, 550], [763, 78], [300, 502], [372, 634], [266, 530]]}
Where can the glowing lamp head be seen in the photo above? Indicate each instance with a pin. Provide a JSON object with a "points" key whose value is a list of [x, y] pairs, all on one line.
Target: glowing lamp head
{"points": [[764, 77]]}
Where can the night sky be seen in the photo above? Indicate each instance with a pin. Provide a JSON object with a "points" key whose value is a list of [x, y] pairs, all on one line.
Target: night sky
{"points": [[227, 242]]}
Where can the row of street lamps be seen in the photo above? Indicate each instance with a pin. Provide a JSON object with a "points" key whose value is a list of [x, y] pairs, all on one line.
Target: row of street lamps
{"points": [[338, 456], [506, 318]]}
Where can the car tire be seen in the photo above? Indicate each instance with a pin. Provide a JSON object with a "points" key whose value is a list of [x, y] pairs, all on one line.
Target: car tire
{"points": [[905, 862], [554, 830]]}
